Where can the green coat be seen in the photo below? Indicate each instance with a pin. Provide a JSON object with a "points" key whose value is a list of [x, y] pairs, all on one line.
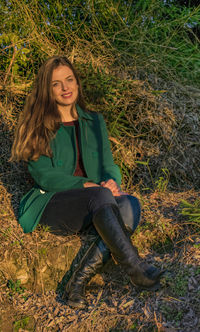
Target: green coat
{"points": [[55, 174]]}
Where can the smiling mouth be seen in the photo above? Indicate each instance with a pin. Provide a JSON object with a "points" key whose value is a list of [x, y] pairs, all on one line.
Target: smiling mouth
{"points": [[66, 95]]}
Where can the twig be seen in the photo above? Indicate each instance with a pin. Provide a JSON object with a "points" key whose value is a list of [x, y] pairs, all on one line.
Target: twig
{"points": [[11, 63]]}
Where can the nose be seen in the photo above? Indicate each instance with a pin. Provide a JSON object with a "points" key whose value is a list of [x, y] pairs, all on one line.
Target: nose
{"points": [[64, 86]]}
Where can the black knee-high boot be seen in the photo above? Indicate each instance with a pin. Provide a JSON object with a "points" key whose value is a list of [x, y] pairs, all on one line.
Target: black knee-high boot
{"points": [[109, 224], [93, 260]]}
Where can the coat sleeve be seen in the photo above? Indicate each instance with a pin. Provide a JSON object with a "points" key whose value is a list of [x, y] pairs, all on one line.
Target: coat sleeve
{"points": [[49, 178], [110, 169]]}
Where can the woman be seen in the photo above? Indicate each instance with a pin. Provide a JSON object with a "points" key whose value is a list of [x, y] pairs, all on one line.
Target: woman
{"points": [[77, 184]]}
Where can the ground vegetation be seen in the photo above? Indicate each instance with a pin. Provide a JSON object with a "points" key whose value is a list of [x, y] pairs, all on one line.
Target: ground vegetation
{"points": [[139, 64]]}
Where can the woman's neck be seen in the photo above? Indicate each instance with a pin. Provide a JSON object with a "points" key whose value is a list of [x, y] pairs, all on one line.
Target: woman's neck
{"points": [[68, 114]]}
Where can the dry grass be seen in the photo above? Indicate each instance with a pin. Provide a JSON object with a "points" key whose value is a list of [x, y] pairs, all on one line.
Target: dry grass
{"points": [[164, 238], [150, 130], [153, 122]]}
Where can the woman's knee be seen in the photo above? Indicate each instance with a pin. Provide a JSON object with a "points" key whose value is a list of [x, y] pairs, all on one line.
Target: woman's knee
{"points": [[130, 210], [101, 196]]}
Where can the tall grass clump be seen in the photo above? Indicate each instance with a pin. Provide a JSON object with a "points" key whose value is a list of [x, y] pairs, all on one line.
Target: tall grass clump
{"points": [[191, 211], [152, 36]]}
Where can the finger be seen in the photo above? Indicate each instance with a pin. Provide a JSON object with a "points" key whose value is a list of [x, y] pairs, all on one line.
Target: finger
{"points": [[116, 194]]}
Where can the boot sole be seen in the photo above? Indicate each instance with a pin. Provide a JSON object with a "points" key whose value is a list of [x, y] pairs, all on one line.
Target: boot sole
{"points": [[154, 287]]}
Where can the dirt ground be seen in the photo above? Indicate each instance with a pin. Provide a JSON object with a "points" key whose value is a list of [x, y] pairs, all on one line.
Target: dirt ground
{"points": [[165, 238]]}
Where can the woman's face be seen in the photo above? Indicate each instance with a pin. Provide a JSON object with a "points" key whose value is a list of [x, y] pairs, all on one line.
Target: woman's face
{"points": [[64, 86]]}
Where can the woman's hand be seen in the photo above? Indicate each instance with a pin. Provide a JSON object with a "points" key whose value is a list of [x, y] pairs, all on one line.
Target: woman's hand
{"points": [[90, 184], [113, 186]]}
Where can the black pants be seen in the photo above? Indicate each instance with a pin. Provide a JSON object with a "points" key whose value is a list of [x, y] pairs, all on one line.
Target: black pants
{"points": [[71, 211]]}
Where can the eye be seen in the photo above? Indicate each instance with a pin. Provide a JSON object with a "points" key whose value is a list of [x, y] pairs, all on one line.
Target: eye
{"points": [[56, 84], [70, 79]]}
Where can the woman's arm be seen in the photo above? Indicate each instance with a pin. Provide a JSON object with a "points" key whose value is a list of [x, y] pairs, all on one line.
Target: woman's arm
{"points": [[90, 184], [50, 178], [110, 169]]}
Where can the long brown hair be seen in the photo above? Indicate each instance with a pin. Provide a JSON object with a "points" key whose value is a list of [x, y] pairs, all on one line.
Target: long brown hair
{"points": [[40, 118]]}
